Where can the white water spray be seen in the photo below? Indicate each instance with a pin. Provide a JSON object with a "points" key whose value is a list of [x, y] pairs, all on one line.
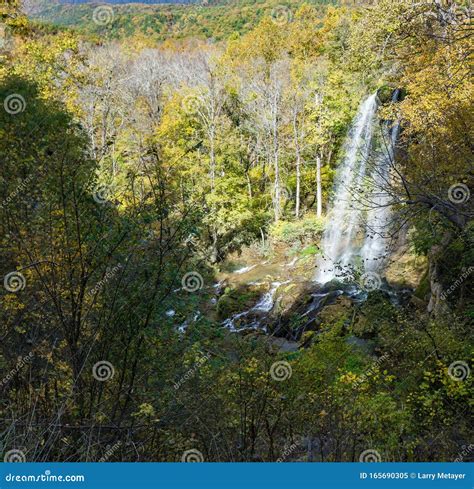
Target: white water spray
{"points": [[376, 244], [338, 243]]}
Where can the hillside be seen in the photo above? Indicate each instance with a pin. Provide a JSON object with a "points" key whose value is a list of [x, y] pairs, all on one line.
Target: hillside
{"points": [[216, 20], [253, 250]]}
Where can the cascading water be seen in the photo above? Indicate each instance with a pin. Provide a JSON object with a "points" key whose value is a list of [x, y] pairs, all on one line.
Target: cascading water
{"points": [[338, 243], [341, 246], [376, 245], [264, 305]]}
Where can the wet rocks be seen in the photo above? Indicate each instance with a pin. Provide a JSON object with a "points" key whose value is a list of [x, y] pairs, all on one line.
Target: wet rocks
{"points": [[238, 299], [337, 312]]}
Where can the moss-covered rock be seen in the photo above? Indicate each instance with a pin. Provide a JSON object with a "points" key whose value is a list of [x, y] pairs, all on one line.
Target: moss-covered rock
{"points": [[237, 300], [337, 313], [385, 94], [373, 314], [406, 269], [422, 292]]}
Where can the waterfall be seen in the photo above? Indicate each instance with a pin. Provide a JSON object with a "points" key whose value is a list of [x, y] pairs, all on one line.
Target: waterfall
{"points": [[376, 246], [339, 238], [342, 250]]}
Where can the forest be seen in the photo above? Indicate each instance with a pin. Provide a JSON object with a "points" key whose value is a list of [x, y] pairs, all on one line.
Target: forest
{"points": [[204, 19], [243, 236]]}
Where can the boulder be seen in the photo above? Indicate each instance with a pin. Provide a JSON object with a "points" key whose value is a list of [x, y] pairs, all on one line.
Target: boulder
{"points": [[406, 269]]}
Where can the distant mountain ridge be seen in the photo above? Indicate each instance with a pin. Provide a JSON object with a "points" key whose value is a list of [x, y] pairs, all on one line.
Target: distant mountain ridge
{"points": [[146, 2], [169, 19]]}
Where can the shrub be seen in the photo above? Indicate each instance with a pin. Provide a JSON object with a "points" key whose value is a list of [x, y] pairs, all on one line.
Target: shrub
{"points": [[307, 229]]}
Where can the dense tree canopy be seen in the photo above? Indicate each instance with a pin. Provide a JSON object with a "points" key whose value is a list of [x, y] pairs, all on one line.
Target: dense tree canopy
{"points": [[134, 172]]}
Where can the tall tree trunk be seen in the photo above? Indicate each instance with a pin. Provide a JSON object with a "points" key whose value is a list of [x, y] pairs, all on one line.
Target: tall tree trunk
{"points": [[212, 156], [319, 193], [298, 168], [276, 163], [214, 247], [298, 185], [249, 185]]}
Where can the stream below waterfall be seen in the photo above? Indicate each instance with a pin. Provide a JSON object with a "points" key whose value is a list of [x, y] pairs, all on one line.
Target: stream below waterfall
{"points": [[283, 288]]}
